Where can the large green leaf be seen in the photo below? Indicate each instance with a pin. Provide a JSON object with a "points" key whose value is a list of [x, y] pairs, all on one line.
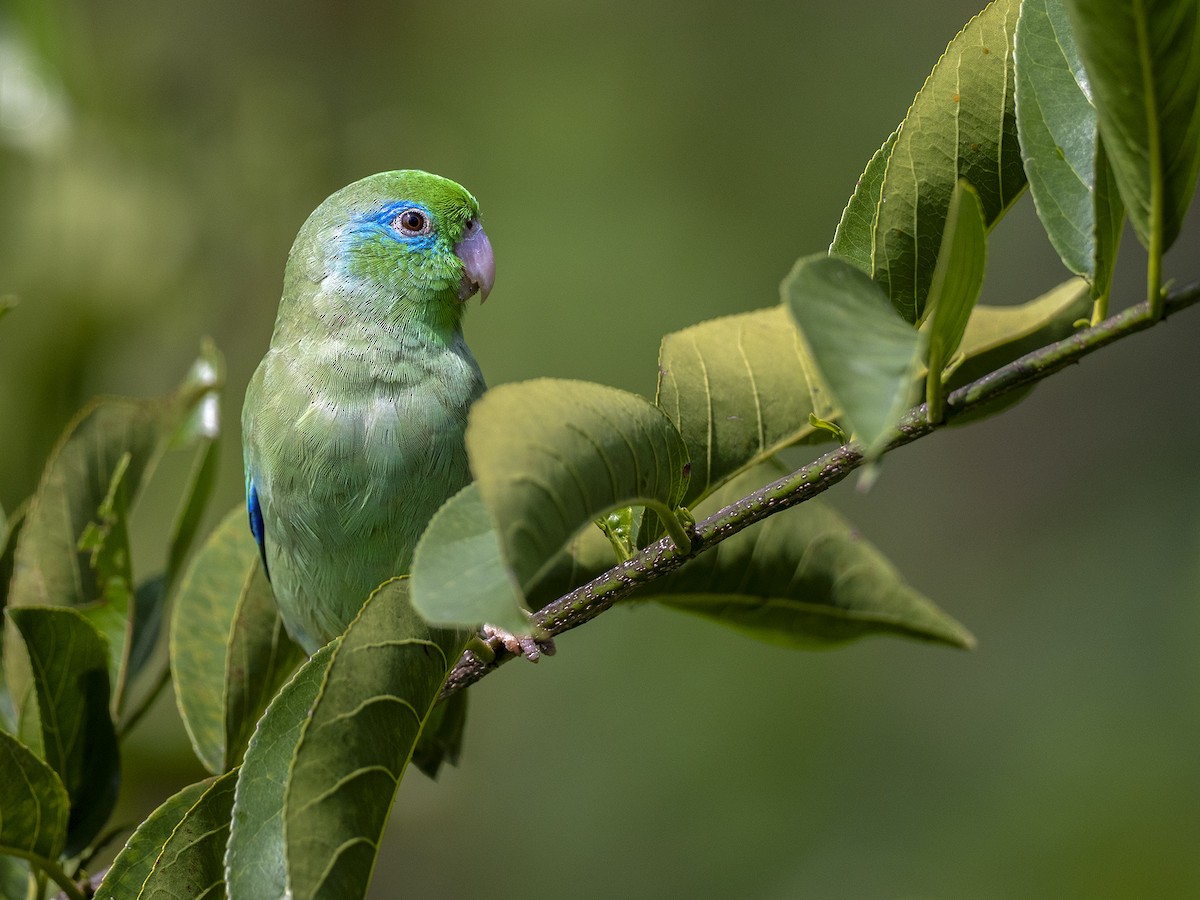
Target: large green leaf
{"points": [[855, 234], [867, 355], [381, 685], [33, 803], [733, 388], [1143, 65], [802, 578], [142, 852], [550, 456], [957, 280], [190, 862], [1069, 176], [458, 574], [228, 650], [261, 657], [997, 335], [961, 125], [69, 664], [255, 859]]}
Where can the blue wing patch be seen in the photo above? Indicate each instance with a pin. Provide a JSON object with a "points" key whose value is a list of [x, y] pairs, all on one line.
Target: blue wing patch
{"points": [[256, 522]]}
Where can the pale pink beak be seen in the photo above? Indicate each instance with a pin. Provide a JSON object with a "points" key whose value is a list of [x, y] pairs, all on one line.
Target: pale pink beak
{"points": [[479, 263]]}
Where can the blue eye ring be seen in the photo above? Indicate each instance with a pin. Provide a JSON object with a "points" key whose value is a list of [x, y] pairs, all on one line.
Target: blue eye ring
{"points": [[412, 222]]}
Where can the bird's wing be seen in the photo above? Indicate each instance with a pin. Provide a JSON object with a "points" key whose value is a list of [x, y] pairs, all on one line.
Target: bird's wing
{"points": [[256, 521]]}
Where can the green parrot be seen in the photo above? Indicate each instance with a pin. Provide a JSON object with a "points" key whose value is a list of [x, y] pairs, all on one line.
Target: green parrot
{"points": [[353, 424]]}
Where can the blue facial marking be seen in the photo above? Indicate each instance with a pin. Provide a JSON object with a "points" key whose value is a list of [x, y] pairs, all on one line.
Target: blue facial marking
{"points": [[379, 223]]}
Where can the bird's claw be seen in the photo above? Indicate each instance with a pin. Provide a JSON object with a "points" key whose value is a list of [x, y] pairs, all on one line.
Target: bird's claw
{"points": [[530, 647]]}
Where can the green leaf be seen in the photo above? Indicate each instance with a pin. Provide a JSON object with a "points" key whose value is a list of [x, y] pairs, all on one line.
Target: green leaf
{"points": [[802, 578], [855, 234], [106, 538], [34, 803], [961, 125], [442, 737], [381, 685], [1069, 176], [69, 662], [261, 657], [957, 280], [191, 861], [733, 388], [191, 509], [1143, 65], [997, 335], [8, 544], [551, 456], [255, 860], [867, 355], [7, 304], [136, 861], [228, 650], [50, 570], [458, 572], [14, 877]]}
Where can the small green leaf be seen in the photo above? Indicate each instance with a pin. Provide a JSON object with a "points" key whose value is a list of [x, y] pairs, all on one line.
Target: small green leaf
{"points": [[957, 280], [134, 864], [381, 685], [106, 539], [855, 234], [550, 456], [15, 877], [730, 386], [191, 861], [458, 573], [802, 578], [228, 651], [442, 737], [34, 803], [621, 527], [961, 125], [1143, 65], [255, 860], [866, 354], [69, 663], [1068, 171]]}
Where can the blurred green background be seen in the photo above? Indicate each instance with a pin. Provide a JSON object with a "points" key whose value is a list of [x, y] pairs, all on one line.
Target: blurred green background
{"points": [[642, 167]]}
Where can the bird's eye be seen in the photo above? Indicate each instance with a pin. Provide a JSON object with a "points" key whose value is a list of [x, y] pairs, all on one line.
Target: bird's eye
{"points": [[411, 222]]}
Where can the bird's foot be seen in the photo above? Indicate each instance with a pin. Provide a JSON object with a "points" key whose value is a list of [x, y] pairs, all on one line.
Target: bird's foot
{"points": [[531, 647]]}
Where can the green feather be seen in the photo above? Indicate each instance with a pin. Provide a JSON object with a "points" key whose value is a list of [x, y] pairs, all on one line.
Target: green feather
{"points": [[353, 423]]}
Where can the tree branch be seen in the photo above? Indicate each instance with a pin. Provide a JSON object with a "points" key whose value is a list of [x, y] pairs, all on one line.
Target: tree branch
{"points": [[589, 600]]}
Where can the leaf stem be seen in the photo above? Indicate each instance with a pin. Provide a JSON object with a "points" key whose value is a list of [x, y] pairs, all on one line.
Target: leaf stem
{"points": [[588, 601], [147, 700]]}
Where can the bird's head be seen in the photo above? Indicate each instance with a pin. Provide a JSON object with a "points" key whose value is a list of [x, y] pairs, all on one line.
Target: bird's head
{"points": [[397, 244]]}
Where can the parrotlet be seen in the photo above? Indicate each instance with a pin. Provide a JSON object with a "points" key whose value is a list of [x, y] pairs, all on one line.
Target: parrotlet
{"points": [[353, 423]]}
